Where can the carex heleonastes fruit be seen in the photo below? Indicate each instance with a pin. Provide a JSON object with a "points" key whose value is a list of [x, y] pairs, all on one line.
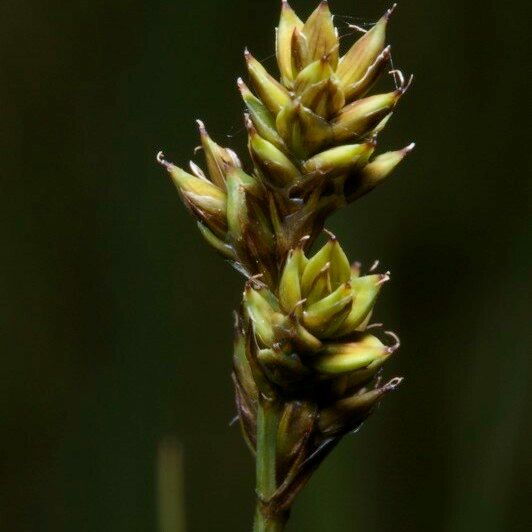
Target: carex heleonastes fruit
{"points": [[304, 340]]}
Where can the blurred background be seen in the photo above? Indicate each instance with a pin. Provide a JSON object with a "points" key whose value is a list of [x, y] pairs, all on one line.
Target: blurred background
{"points": [[116, 317]]}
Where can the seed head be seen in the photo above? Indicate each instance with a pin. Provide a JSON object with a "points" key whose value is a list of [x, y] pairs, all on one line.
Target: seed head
{"points": [[303, 336]]}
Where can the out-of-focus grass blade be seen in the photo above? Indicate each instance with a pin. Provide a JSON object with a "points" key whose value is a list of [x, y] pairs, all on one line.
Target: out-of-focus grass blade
{"points": [[170, 486]]}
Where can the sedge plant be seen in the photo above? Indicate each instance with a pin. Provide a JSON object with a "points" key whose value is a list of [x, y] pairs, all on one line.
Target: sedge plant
{"points": [[307, 359]]}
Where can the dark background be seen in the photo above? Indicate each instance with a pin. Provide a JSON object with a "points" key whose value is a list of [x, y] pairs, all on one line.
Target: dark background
{"points": [[116, 317]]}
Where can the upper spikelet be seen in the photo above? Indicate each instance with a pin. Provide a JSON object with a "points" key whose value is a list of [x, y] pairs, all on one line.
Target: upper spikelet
{"points": [[312, 137]]}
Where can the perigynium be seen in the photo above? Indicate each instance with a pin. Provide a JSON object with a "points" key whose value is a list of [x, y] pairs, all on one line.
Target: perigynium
{"points": [[307, 360]]}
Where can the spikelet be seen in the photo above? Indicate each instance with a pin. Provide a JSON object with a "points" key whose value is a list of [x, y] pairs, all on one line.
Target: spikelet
{"points": [[312, 139], [304, 345]]}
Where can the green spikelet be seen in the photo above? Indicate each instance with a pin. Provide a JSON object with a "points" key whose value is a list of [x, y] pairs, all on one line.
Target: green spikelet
{"points": [[306, 359]]}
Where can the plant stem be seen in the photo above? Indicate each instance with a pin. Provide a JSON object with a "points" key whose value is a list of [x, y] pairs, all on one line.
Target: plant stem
{"points": [[267, 519], [263, 524]]}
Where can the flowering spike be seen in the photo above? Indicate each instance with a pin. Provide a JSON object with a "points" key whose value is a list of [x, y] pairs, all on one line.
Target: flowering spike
{"points": [[306, 369]]}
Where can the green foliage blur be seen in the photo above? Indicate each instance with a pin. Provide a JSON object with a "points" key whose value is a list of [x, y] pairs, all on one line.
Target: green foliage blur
{"points": [[116, 317]]}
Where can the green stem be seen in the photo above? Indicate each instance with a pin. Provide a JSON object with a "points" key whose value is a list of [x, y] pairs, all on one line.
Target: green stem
{"points": [[263, 524], [267, 517]]}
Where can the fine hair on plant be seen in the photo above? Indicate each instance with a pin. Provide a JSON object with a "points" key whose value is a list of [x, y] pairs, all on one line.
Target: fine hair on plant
{"points": [[307, 356]]}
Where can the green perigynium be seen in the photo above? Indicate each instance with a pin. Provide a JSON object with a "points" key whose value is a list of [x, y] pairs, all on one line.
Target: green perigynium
{"points": [[307, 359]]}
